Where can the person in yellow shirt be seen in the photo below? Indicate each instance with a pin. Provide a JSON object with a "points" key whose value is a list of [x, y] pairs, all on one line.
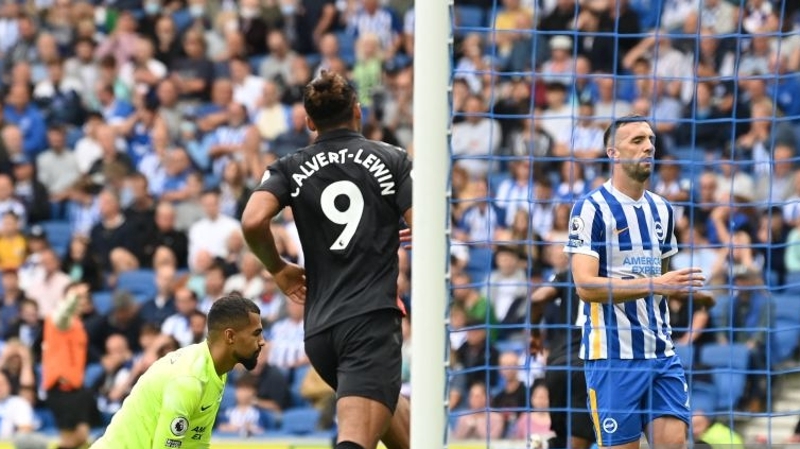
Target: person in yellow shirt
{"points": [[511, 17], [175, 402], [13, 245]]}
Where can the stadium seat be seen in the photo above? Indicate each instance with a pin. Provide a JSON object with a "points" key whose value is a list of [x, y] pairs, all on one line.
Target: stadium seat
{"points": [[785, 332], [59, 234], [469, 17], [686, 354], [729, 364], [140, 283], [347, 47], [94, 372], [516, 346], [103, 302], [480, 264], [703, 397], [298, 375], [47, 422], [300, 421]]}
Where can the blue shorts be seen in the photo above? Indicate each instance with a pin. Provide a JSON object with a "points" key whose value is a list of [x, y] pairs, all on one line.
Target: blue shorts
{"points": [[626, 395]]}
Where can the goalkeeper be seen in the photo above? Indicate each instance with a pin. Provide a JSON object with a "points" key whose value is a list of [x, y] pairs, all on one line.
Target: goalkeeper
{"points": [[175, 402]]}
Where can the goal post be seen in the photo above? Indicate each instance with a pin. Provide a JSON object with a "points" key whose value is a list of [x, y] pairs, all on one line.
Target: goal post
{"points": [[430, 249]]}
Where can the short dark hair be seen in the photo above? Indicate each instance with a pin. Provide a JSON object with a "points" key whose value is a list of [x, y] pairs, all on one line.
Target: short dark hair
{"points": [[231, 311], [619, 123], [329, 100]]}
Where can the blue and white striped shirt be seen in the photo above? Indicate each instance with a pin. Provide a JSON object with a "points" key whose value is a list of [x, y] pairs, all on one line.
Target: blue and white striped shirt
{"points": [[630, 238]]}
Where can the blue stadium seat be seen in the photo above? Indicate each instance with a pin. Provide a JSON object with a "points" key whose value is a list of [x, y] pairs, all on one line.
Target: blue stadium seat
{"points": [[297, 381], [703, 397], [686, 354], [267, 420], [59, 234], [480, 263], [729, 363], [785, 332], [516, 346], [94, 371], [347, 47], [469, 17], [300, 421], [47, 422], [103, 302], [140, 283]]}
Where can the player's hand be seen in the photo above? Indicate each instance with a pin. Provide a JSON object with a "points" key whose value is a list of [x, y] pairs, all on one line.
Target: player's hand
{"points": [[291, 279], [679, 281], [405, 238]]}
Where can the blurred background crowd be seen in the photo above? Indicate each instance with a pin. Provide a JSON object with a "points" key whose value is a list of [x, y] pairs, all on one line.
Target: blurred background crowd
{"points": [[132, 131]]}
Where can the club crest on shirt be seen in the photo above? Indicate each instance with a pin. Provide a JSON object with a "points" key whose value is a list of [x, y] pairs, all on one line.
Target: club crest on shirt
{"points": [[179, 426], [576, 225], [659, 231]]}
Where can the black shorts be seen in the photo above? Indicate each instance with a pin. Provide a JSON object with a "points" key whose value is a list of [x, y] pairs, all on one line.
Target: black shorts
{"points": [[567, 388], [361, 356], [71, 408]]}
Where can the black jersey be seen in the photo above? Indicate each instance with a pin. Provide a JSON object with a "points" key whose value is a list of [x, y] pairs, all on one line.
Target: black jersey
{"points": [[347, 195], [563, 334]]}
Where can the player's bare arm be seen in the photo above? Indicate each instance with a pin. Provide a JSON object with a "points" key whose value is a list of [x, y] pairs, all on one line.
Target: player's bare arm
{"points": [[261, 208], [593, 288], [699, 297]]}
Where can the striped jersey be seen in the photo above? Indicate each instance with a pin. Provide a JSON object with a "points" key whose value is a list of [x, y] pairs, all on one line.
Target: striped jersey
{"points": [[630, 238]]}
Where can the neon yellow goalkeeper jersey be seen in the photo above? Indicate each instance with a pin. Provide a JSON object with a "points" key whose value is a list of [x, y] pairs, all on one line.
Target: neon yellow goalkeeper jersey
{"points": [[173, 404]]}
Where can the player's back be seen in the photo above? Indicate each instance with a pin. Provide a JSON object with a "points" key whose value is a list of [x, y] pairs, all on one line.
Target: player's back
{"points": [[347, 195], [174, 404]]}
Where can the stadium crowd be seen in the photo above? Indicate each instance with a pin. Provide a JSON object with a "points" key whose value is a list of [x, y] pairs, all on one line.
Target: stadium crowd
{"points": [[132, 131]]}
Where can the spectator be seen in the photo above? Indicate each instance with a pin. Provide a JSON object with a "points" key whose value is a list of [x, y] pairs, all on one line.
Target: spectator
{"points": [[24, 48], [10, 300], [143, 71], [480, 220], [21, 112], [536, 421], [107, 140], [59, 97], [94, 323], [778, 186], [113, 386], [321, 396], [508, 289], [514, 194], [31, 192], [213, 288], [13, 247], [17, 366], [16, 414], [48, 292], [248, 281], [167, 42], [297, 136], [271, 301], [480, 423], [197, 326], [313, 19], [114, 243], [247, 88], [272, 392], [166, 235], [286, 340], [746, 320], [57, 168], [373, 18], [271, 118], [212, 232], [514, 395], [28, 328], [236, 140], [178, 325], [277, 66], [244, 418], [773, 234], [194, 73], [158, 308], [123, 319], [477, 355], [190, 210], [608, 104], [176, 171]]}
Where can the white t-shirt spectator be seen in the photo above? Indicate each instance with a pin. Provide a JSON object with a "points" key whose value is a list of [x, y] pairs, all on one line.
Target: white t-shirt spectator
{"points": [[287, 344], [15, 412]]}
